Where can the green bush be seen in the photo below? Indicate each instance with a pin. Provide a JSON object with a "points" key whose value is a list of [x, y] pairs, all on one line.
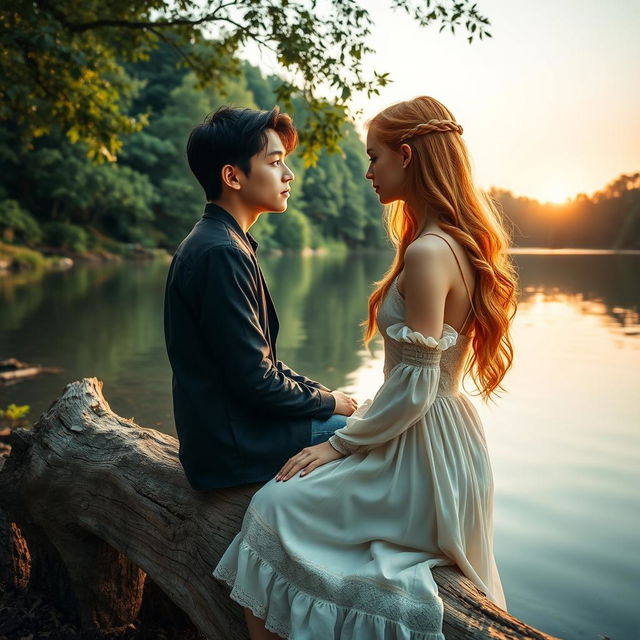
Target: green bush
{"points": [[262, 232], [334, 246], [66, 236], [21, 257], [291, 229], [140, 236], [29, 259], [14, 416], [16, 223]]}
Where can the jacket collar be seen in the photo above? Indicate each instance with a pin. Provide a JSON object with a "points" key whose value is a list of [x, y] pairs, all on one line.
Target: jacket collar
{"points": [[212, 210]]}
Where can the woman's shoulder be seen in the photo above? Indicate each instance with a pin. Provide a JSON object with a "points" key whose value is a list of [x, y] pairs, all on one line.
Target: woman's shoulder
{"points": [[425, 262], [428, 247], [440, 254]]}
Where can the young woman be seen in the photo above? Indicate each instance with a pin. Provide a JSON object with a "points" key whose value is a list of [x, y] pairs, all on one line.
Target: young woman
{"points": [[345, 548]]}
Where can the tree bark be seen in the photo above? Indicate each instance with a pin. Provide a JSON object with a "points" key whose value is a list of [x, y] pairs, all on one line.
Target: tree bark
{"points": [[115, 532]]}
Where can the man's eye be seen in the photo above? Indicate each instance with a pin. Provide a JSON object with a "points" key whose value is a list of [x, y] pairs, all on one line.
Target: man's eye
{"points": [[372, 160]]}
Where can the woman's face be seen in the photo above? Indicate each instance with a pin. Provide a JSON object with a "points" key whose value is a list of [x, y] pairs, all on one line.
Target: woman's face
{"points": [[386, 169]]}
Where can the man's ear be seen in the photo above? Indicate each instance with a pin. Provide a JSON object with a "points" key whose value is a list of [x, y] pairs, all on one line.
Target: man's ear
{"points": [[407, 153], [229, 175]]}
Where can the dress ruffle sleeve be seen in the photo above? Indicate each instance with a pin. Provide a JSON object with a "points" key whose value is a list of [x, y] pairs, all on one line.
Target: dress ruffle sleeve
{"points": [[405, 396]]}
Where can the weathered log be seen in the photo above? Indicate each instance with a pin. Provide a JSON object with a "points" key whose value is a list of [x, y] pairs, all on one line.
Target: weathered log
{"points": [[105, 508]]}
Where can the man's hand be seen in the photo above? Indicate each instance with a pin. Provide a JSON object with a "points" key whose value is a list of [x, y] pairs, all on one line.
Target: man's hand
{"points": [[308, 459], [345, 405]]}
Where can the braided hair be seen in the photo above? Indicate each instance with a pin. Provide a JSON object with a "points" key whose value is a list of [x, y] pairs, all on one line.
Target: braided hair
{"points": [[433, 125]]}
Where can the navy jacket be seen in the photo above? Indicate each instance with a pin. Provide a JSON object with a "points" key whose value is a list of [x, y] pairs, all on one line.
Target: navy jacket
{"points": [[240, 413]]}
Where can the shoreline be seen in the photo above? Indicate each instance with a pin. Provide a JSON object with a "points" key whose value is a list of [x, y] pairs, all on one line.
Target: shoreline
{"points": [[16, 258], [20, 259]]}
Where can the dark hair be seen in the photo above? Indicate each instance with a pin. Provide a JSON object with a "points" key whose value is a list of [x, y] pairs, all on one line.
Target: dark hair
{"points": [[232, 135]]}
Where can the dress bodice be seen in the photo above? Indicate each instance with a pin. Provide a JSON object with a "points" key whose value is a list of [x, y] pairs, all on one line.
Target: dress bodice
{"points": [[452, 361]]}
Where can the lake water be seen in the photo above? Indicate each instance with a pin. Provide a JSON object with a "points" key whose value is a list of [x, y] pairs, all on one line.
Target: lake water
{"points": [[564, 438]]}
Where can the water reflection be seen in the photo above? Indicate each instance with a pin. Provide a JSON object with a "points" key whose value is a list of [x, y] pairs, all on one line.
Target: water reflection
{"points": [[565, 448], [610, 279], [564, 438], [321, 314], [106, 320]]}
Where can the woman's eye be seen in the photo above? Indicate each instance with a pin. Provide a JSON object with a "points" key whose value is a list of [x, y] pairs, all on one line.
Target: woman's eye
{"points": [[276, 162]]}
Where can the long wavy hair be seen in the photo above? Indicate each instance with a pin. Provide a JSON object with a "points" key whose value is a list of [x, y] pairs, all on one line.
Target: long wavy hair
{"points": [[440, 174]]}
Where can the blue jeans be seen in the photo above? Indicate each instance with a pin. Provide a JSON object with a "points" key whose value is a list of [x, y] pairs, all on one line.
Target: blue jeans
{"points": [[322, 430]]}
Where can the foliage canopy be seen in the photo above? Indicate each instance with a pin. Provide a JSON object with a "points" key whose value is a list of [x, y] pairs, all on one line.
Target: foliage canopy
{"points": [[63, 62]]}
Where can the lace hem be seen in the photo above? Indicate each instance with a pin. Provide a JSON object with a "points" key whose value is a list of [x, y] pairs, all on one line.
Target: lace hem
{"points": [[245, 599], [340, 445], [267, 578]]}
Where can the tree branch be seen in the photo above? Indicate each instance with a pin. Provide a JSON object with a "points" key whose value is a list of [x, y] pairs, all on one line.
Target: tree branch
{"points": [[78, 27], [175, 47]]}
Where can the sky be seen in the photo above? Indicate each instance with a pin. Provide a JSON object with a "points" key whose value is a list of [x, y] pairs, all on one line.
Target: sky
{"points": [[550, 105]]}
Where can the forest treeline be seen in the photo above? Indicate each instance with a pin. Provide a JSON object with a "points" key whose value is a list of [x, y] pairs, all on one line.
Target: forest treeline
{"points": [[53, 196], [607, 219]]}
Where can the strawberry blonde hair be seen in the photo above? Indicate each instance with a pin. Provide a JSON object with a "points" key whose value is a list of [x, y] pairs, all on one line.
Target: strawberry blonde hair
{"points": [[440, 174]]}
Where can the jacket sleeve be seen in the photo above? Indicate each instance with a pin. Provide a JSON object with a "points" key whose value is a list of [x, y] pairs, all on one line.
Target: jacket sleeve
{"points": [[230, 322], [298, 377], [405, 396]]}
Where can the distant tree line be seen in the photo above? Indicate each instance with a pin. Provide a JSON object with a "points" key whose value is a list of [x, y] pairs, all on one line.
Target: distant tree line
{"points": [[608, 219]]}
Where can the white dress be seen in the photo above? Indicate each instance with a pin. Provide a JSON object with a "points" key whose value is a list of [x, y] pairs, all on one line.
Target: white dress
{"points": [[346, 552]]}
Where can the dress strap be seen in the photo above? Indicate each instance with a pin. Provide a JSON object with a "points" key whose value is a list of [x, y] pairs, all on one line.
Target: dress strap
{"points": [[472, 308]]}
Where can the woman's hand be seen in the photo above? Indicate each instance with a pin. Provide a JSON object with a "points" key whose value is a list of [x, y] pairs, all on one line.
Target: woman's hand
{"points": [[307, 460]]}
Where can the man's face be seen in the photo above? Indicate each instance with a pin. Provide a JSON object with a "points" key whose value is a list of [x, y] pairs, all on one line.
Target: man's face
{"points": [[266, 188]]}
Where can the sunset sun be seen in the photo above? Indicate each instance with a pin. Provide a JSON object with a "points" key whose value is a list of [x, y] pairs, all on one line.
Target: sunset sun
{"points": [[556, 194]]}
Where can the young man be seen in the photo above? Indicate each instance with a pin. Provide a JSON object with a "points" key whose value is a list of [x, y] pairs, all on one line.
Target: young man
{"points": [[239, 411]]}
